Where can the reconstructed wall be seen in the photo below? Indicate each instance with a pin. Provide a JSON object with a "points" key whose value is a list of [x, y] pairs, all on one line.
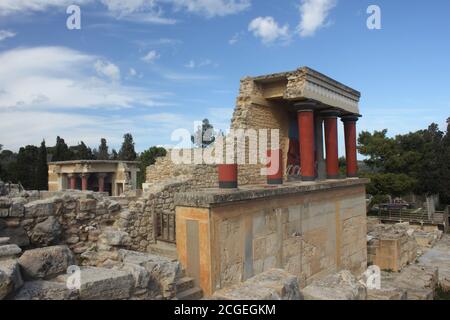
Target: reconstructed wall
{"points": [[309, 234], [250, 115]]}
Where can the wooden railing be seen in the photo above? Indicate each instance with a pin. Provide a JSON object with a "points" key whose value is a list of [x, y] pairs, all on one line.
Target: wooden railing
{"points": [[418, 216]]}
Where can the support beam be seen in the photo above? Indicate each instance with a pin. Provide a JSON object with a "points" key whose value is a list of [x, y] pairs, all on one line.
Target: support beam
{"points": [[305, 119], [331, 144], [350, 145]]}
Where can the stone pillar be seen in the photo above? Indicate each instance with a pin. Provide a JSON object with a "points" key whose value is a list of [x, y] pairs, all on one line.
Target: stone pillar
{"points": [[350, 144], [228, 176], [331, 144], [72, 181], [305, 119], [101, 182], [84, 181]]}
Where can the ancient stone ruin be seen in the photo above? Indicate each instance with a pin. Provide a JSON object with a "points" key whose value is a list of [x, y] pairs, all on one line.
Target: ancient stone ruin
{"points": [[223, 230]]}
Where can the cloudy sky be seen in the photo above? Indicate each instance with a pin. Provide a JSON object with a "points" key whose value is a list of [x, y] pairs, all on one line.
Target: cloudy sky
{"points": [[151, 66]]}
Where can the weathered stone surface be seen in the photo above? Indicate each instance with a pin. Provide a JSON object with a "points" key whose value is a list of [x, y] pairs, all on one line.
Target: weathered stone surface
{"points": [[87, 204], [140, 275], [4, 240], [9, 251], [164, 272], [338, 286], [43, 263], [45, 290], [10, 277], [47, 232], [274, 284], [113, 206], [115, 237], [105, 284], [16, 235], [387, 293], [439, 256], [420, 282], [40, 208], [17, 207]]}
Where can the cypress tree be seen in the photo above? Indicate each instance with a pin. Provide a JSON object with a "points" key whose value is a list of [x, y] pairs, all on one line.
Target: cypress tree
{"points": [[127, 152], [42, 168]]}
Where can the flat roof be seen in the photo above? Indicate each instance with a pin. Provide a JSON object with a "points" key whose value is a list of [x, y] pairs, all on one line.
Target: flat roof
{"points": [[93, 162]]}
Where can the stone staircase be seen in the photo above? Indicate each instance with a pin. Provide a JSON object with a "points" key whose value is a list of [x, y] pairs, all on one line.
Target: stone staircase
{"points": [[168, 250], [187, 290]]}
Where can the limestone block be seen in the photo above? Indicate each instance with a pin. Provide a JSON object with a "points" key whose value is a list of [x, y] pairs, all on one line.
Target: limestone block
{"points": [[164, 272], [87, 204], [338, 286], [4, 240], [17, 207], [115, 237], [140, 274], [39, 208], [10, 277], [9, 251], [420, 282], [16, 235], [46, 262], [46, 233], [105, 284], [45, 290], [274, 284], [387, 293]]}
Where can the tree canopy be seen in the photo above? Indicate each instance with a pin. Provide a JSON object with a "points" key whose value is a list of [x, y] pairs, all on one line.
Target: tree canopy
{"points": [[127, 152]]}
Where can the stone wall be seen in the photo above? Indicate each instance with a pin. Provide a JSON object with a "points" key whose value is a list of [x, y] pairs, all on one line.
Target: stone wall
{"points": [[311, 232], [72, 218]]}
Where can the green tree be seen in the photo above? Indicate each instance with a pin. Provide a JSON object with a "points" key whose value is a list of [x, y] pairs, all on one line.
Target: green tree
{"points": [[42, 168], [103, 150], [204, 136], [61, 151], [114, 155], [444, 163], [127, 152], [27, 164], [147, 158], [81, 152]]}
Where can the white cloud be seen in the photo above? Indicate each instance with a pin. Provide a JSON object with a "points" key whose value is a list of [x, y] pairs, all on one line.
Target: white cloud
{"points": [[147, 11], [57, 77], [5, 34], [107, 69], [151, 56], [8, 7], [313, 15], [204, 63], [132, 72], [235, 38], [212, 8], [268, 30]]}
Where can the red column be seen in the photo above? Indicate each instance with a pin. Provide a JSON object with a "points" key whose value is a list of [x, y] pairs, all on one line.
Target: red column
{"points": [[350, 145], [228, 176], [331, 145], [72, 182], [306, 138], [84, 182], [101, 182], [275, 167]]}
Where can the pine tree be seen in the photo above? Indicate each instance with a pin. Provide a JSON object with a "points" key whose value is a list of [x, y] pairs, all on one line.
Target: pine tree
{"points": [[114, 155], [103, 150], [127, 152], [42, 168], [62, 152]]}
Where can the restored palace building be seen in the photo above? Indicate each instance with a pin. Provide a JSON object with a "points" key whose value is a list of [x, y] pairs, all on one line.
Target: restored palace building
{"points": [[113, 177]]}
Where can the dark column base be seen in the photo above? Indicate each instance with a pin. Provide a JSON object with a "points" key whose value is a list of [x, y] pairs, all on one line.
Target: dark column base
{"points": [[228, 184], [274, 181], [334, 177], [308, 178]]}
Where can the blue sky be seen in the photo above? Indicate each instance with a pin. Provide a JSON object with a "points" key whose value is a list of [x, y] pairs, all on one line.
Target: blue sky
{"points": [[151, 66]]}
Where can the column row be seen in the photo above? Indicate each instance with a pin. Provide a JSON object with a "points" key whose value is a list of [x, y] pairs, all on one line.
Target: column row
{"points": [[72, 181], [307, 144]]}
